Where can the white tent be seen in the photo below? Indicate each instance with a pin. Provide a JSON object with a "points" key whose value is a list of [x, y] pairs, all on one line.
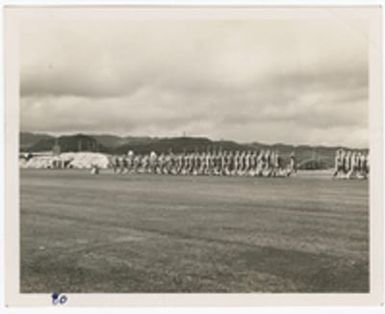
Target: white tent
{"points": [[87, 160], [81, 160], [39, 162]]}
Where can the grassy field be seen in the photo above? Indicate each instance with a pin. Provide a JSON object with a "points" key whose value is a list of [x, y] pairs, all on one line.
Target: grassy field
{"points": [[83, 233]]}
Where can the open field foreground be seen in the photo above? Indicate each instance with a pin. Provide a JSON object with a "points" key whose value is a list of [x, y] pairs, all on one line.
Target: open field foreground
{"points": [[145, 233]]}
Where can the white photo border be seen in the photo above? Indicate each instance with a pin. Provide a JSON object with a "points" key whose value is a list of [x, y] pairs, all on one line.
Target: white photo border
{"points": [[14, 14]]}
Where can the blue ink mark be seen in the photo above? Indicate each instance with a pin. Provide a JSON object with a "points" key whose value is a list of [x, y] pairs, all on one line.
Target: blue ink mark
{"points": [[55, 297], [63, 299], [58, 299]]}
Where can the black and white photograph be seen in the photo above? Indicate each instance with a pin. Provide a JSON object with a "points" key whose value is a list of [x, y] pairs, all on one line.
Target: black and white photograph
{"points": [[183, 153]]}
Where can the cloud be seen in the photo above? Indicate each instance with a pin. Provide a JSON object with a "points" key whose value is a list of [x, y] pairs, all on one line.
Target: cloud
{"points": [[297, 81]]}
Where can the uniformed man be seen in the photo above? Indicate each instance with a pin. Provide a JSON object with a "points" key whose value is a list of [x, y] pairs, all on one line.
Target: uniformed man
{"points": [[353, 165], [94, 169], [114, 164], [160, 163], [146, 164], [248, 163], [153, 160], [167, 164], [253, 163], [218, 163], [260, 163], [292, 167], [206, 167], [200, 167], [230, 164], [236, 163], [224, 163], [347, 163], [273, 164], [186, 163], [366, 164], [197, 163], [268, 167], [278, 164], [360, 165], [124, 165]]}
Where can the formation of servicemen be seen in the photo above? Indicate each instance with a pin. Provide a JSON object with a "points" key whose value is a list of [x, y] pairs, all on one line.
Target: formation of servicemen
{"points": [[351, 164], [217, 163]]}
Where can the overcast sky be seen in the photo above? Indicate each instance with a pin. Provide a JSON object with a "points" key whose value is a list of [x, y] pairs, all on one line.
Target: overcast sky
{"points": [[294, 81]]}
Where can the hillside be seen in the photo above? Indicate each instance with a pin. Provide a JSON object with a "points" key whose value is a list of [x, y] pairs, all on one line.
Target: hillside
{"points": [[28, 139], [114, 141], [71, 143], [179, 144]]}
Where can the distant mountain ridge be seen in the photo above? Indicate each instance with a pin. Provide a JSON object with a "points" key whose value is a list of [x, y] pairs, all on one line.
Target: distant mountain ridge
{"points": [[114, 141], [67, 143], [28, 139], [307, 155]]}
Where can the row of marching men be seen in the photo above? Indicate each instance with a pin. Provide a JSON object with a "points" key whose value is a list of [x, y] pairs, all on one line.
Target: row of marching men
{"points": [[351, 164], [222, 163]]}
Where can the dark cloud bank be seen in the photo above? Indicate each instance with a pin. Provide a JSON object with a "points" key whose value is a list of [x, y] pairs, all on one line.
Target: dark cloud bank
{"points": [[295, 82]]}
